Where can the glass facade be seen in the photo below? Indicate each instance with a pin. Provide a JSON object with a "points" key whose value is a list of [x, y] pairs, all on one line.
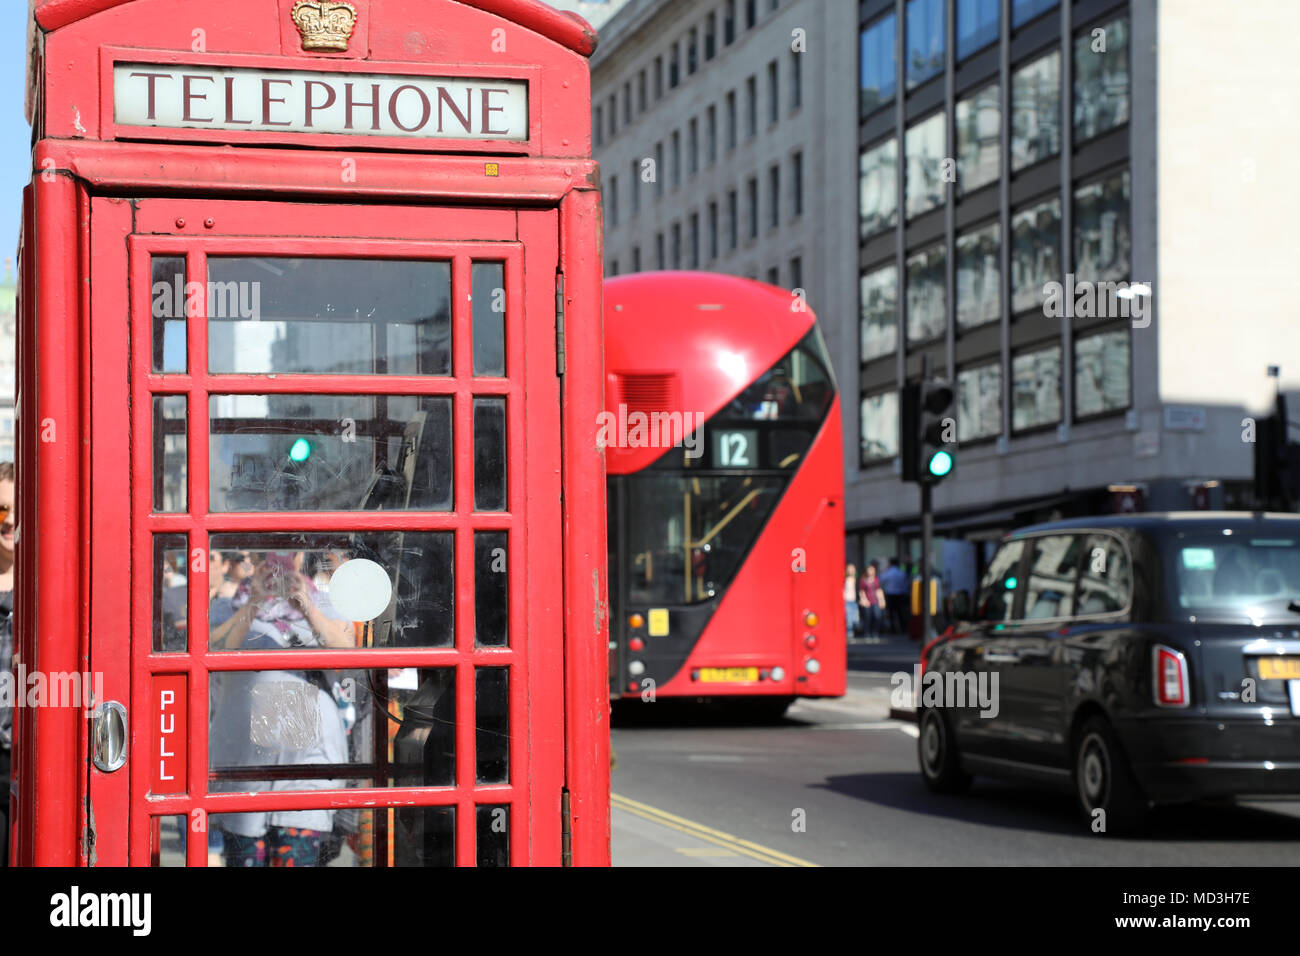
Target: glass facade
{"points": [[876, 64], [1101, 373], [924, 146], [1101, 80], [1036, 388], [1101, 230], [1036, 111], [926, 294], [979, 402], [879, 418], [1022, 11], [979, 296], [1035, 253], [977, 25], [924, 41], [979, 138], [878, 321], [878, 188]]}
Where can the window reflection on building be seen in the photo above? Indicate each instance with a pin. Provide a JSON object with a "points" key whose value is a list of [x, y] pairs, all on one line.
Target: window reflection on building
{"points": [[1101, 230], [877, 64], [1101, 373], [878, 188], [977, 25], [1036, 389], [979, 137], [879, 319], [926, 299], [925, 33], [979, 402], [1036, 111], [979, 298], [1101, 79], [924, 146], [879, 426], [1035, 253]]}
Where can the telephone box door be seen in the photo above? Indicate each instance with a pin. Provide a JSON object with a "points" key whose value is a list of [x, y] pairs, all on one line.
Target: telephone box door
{"points": [[326, 540]]}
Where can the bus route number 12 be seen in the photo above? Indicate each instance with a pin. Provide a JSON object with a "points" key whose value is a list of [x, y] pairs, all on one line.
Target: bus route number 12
{"points": [[734, 449]]}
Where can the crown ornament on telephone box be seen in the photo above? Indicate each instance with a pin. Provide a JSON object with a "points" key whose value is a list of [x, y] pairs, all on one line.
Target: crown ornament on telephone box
{"points": [[326, 25]]}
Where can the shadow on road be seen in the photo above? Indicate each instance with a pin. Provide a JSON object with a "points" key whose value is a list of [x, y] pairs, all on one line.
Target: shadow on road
{"points": [[679, 713], [1021, 808]]}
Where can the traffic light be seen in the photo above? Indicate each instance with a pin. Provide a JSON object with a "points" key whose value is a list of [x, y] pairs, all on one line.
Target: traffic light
{"points": [[300, 450], [928, 439]]}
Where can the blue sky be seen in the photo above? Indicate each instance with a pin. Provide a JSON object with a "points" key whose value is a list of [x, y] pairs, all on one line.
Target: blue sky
{"points": [[15, 134]]}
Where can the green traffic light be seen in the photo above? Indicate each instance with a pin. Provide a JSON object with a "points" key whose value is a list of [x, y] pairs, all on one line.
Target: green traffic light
{"points": [[940, 464], [300, 450]]}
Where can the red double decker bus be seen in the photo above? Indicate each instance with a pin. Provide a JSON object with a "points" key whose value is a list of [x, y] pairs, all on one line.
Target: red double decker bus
{"points": [[723, 454]]}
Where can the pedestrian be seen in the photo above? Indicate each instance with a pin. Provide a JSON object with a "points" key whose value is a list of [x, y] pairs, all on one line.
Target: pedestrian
{"points": [[871, 601], [850, 601], [897, 585], [7, 522]]}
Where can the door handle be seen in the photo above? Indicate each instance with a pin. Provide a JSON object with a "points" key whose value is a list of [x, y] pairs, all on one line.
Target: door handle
{"points": [[1001, 658], [109, 736]]}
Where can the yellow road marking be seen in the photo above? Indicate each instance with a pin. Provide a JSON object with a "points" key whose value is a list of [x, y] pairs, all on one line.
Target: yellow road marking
{"points": [[708, 834], [704, 851]]}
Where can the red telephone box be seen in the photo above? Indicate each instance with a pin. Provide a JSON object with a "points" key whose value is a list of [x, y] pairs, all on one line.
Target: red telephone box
{"points": [[310, 495]]}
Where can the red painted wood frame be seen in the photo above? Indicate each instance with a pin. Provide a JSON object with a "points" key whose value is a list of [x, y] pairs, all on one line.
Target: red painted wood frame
{"points": [[531, 390]]}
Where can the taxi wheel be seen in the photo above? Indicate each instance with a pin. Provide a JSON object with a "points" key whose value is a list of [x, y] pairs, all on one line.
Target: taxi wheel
{"points": [[937, 749], [1109, 796]]}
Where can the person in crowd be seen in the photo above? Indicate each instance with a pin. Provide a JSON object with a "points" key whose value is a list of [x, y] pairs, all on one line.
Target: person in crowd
{"points": [[897, 584], [871, 601], [7, 546], [850, 601]]}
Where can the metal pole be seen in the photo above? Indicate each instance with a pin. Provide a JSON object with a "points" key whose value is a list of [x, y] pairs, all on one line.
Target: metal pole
{"points": [[927, 528]]}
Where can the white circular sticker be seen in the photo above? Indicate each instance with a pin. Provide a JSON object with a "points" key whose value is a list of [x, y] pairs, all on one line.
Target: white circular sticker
{"points": [[360, 590]]}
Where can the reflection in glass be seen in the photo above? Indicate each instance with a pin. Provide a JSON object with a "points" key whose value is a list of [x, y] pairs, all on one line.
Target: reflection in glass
{"points": [[1036, 388], [330, 452], [925, 154], [977, 25], [1035, 253], [1106, 586], [1101, 80], [1101, 230], [926, 294], [492, 724], [167, 840], [925, 30], [280, 315], [997, 593], [1101, 373], [979, 137], [169, 456], [1053, 573], [879, 427], [878, 188], [280, 591], [170, 587], [491, 589], [489, 454], [361, 837], [489, 282], [167, 300], [877, 62], [879, 319], [979, 402], [1036, 111], [493, 832], [979, 277], [1022, 11]]}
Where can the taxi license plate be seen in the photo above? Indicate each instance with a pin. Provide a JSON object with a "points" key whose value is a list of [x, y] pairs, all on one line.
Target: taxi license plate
{"points": [[726, 675], [1279, 668]]}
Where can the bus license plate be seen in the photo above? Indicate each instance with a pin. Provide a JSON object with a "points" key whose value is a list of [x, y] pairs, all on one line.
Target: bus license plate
{"points": [[1279, 668], [727, 675]]}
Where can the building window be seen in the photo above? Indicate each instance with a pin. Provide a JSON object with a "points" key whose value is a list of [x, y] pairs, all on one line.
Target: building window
{"points": [[979, 402], [693, 146], [1101, 230], [677, 245], [926, 298], [979, 138], [695, 240], [611, 195], [733, 219], [774, 197], [627, 102], [711, 134], [692, 50], [659, 168], [613, 116], [796, 274], [1036, 111], [729, 22], [878, 188], [640, 92], [879, 427], [731, 120], [876, 65], [1036, 389], [597, 124], [713, 231], [977, 25], [796, 175], [751, 197], [677, 159], [878, 313], [1022, 11], [774, 276], [1101, 373], [613, 267], [710, 35], [635, 180], [751, 13], [660, 264], [925, 29], [1100, 79], [673, 66], [1035, 253], [796, 80], [636, 258], [773, 94], [979, 277], [925, 154], [659, 78], [751, 107]]}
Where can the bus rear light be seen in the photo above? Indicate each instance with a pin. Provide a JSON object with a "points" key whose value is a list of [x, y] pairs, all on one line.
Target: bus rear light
{"points": [[636, 644], [812, 665], [810, 618], [764, 675], [636, 668], [778, 673], [631, 685], [636, 621], [1169, 677], [810, 641]]}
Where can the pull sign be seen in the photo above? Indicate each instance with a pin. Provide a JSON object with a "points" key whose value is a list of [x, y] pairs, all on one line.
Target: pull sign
{"points": [[170, 711]]}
